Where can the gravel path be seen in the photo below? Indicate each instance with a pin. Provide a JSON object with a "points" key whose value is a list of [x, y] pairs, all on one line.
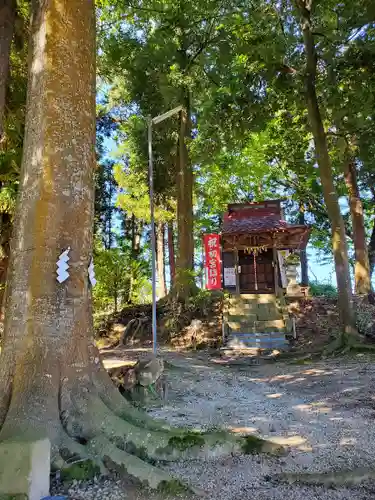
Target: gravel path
{"points": [[323, 412]]}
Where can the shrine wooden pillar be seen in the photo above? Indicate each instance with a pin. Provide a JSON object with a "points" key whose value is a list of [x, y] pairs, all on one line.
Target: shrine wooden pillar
{"points": [[275, 268], [236, 266]]}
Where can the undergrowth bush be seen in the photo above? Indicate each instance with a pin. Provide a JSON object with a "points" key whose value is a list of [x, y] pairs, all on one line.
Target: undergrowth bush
{"points": [[323, 290]]}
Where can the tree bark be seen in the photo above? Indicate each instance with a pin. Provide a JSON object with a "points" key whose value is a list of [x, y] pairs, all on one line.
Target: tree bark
{"points": [[171, 256], [371, 249], [362, 278], [339, 244], [303, 253], [160, 260], [55, 211], [136, 237], [184, 282], [7, 24], [136, 232]]}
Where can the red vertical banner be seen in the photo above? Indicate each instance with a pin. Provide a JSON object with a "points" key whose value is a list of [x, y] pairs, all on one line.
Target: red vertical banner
{"points": [[211, 244]]}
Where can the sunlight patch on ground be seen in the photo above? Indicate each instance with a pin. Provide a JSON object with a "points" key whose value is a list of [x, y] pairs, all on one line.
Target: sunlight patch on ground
{"points": [[260, 419], [275, 396], [317, 407], [348, 441], [281, 377], [353, 389], [317, 372], [116, 363], [242, 430], [292, 441], [295, 380]]}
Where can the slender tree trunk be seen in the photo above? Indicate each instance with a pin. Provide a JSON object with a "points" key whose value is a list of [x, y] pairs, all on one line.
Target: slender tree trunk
{"points": [[339, 244], [136, 231], [371, 249], [109, 208], [303, 253], [171, 256], [7, 24], [184, 282], [362, 277], [160, 260], [165, 243], [115, 299], [136, 237], [5, 233]]}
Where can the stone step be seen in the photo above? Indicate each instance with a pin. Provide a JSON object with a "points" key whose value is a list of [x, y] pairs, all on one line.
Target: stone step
{"points": [[272, 340], [261, 311], [264, 297], [254, 300], [253, 326], [233, 300], [275, 316], [241, 317], [252, 306]]}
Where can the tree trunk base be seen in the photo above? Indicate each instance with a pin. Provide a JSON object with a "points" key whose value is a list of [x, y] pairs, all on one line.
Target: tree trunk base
{"points": [[92, 421], [345, 343]]}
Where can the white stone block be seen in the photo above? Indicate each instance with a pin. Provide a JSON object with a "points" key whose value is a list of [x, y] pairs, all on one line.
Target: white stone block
{"points": [[25, 468]]}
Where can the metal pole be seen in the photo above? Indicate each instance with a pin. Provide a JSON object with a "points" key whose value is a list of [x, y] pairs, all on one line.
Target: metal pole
{"points": [[153, 242]]}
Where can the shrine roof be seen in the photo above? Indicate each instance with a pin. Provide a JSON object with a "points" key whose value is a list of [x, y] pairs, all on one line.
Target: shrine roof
{"points": [[264, 218], [233, 224]]}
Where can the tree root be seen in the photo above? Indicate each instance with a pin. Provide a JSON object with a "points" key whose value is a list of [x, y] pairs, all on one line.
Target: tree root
{"points": [[112, 398], [123, 462], [91, 427], [329, 479], [343, 345], [165, 446]]}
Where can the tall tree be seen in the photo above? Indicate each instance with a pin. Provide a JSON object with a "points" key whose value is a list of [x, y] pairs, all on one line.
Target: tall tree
{"points": [[171, 254], [171, 50], [362, 276], [160, 260], [340, 251]]}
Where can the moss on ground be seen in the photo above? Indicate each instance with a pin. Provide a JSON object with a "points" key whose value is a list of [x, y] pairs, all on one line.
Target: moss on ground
{"points": [[173, 487], [80, 471], [138, 452], [20, 496], [252, 445], [186, 441]]}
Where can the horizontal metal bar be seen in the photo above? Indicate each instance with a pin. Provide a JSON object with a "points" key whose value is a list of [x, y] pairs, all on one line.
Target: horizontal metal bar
{"points": [[164, 116]]}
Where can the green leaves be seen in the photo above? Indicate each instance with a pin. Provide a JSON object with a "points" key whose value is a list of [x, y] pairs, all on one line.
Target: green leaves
{"points": [[119, 279]]}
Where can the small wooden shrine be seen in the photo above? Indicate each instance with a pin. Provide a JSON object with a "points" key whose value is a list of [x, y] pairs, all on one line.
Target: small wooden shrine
{"points": [[255, 240]]}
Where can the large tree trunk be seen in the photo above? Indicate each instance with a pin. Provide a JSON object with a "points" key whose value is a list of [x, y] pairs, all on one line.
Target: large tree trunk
{"points": [[362, 279], [7, 23], [171, 256], [55, 211], [339, 244], [184, 284], [160, 260], [303, 253]]}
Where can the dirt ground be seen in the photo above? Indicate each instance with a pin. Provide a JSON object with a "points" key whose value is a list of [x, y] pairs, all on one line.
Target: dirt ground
{"points": [[323, 413]]}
